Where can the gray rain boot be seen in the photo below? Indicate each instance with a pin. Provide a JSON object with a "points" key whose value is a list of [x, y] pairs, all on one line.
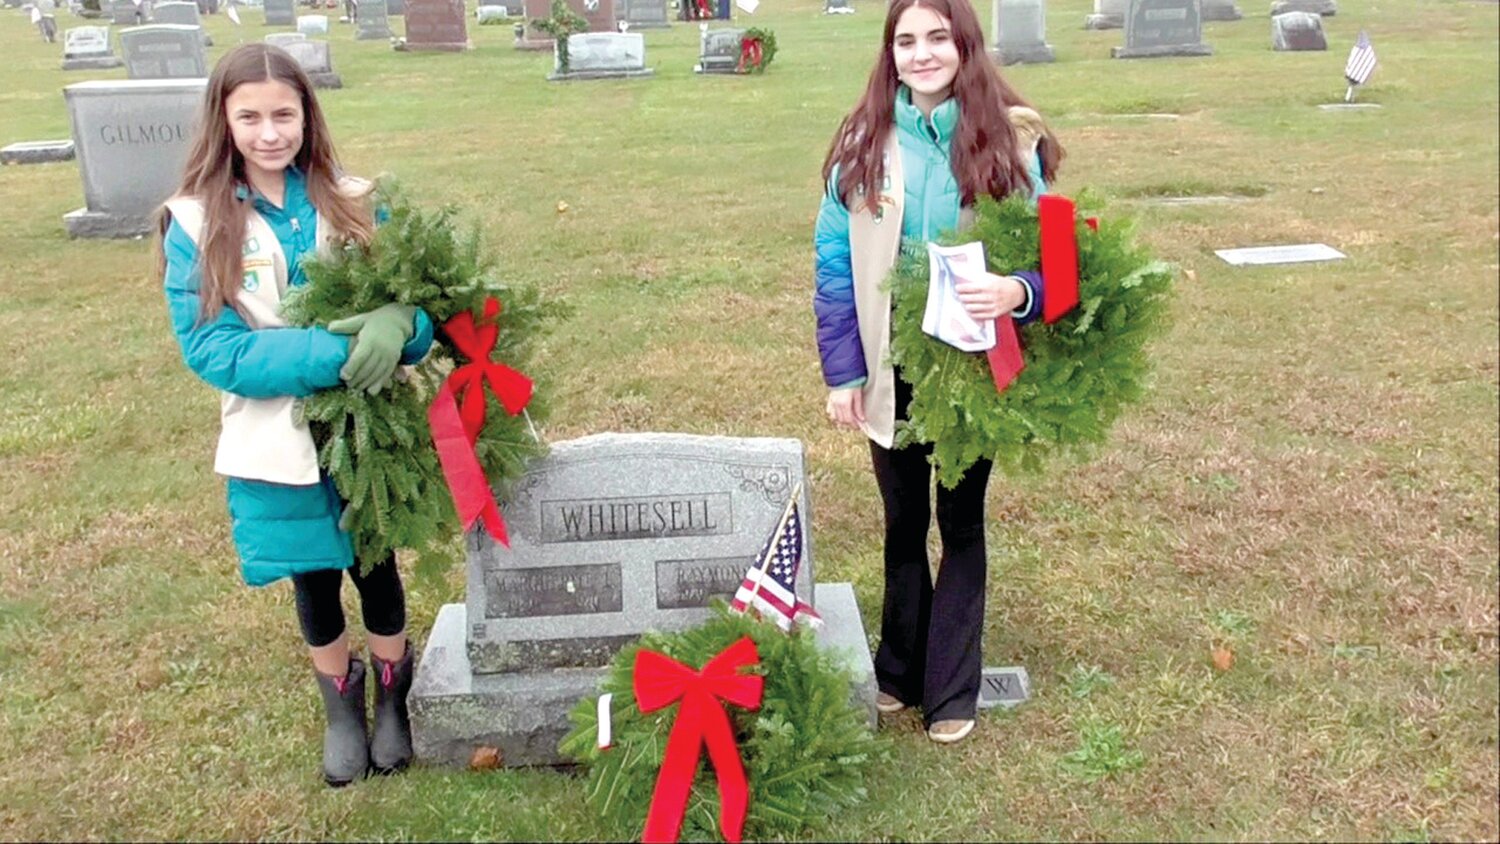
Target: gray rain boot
{"points": [[345, 755], [390, 743]]}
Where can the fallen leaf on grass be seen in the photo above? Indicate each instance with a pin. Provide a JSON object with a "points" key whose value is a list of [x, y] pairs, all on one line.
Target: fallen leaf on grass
{"points": [[1223, 659], [484, 759]]}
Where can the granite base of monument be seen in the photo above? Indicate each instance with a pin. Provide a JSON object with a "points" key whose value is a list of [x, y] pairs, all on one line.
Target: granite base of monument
{"points": [[1031, 54], [600, 74], [326, 80], [86, 223], [1163, 51], [98, 63], [524, 714], [37, 152]]}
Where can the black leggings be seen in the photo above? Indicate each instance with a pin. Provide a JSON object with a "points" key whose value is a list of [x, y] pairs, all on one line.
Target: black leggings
{"points": [[930, 634], [321, 613]]}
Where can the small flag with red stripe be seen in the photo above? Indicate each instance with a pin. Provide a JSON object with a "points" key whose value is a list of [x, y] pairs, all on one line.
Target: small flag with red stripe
{"points": [[770, 584]]}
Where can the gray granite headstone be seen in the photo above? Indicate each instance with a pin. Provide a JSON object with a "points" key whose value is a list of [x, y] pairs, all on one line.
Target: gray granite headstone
{"points": [[1007, 687], [1221, 10], [312, 24], [1326, 8], [1020, 32], [163, 51], [316, 60], [435, 25], [184, 14], [719, 50], [1298, 31], [1157, 28], [280, 13], [603, 55], [132, 138], [644, 14], [838, 7], [128, 13], [37, 152], [372, 21], [487, 13], [87, 48], [1108, 14], [610, 536]]}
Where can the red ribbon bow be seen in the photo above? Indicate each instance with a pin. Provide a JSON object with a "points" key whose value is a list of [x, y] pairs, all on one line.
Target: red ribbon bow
{"points": [[750, 53], [454, 430], [659, 681], [1057, 217]]}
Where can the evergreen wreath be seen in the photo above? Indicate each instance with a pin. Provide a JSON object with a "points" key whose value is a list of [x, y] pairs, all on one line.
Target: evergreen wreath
{"points": [[377, 448], [767, 40], [805, 751], [1081, 371]]}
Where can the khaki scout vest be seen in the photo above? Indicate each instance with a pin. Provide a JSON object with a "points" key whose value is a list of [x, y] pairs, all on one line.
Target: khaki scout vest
{"points": [[263, 439], [874, 241]]}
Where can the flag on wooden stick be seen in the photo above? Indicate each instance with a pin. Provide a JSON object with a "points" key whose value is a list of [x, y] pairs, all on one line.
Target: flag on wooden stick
{"points": [[1360, 65], [770, 584]]}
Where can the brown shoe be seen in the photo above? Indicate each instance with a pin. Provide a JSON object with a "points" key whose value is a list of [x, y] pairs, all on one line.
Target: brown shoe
{"points": [[888, 703], [948, 732]]}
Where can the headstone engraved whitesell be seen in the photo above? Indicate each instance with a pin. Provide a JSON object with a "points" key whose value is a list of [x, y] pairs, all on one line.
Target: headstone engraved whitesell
{"points": [[600, 15], [280, 13], [611, 535], [1108, 14], [1020, 32], [132, 138], [1326, 8], [436, 25], [1157, 28], [312, 24], [603, 55], [87, 48], [1297, 32], [185, 14], [163, 51], [316, 60], [1221, 10], [719, 50], [644, 14], [372, 21], [37, 152]]}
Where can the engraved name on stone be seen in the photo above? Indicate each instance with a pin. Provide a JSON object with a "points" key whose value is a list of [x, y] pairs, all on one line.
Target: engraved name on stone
{"points": [[691, 583], [647, 517], [145, 134], [553, 590]]}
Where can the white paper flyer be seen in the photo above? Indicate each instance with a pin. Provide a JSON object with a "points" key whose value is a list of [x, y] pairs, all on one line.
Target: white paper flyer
{"points": [[945, 317]]}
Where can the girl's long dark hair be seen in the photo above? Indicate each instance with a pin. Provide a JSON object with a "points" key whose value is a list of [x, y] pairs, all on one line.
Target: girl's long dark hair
{"points": [[215, 169], [985, 156]]}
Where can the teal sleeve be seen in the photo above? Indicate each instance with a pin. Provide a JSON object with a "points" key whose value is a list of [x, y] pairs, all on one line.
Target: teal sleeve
{"points": [[230, 355], [421, 338]]}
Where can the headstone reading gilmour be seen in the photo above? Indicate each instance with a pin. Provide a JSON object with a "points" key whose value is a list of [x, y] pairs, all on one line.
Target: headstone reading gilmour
{"points": [[610, 536], [132, 138], [1156, 28]]}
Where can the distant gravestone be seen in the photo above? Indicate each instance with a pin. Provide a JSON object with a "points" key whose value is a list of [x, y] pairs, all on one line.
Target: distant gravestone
{"points": [[719, 50], [183, 14], [395, 7], [486, 13], [372, 21], [87, 48], [1221, 10], [838, 7], [435, 25], [1297, 32], [316, 60], [163, 51], [128, 12], [600, 15], [610, 536], [644, 14], [281, 39], [1254, 256], [1020, 32], [132, 139], [1326, 8], [280, 13], [1005, 687], [1157, 28], [37, 152], [1108, 14], [312, 24], [603, 55]]}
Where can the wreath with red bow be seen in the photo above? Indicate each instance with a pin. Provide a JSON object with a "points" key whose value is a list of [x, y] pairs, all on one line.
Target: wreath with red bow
{"points": [[757, 48], [417, 462]]}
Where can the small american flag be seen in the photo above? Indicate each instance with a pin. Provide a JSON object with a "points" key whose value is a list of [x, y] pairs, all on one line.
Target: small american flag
{"points": [[1361, 61], [769, 585], [233, 15]]}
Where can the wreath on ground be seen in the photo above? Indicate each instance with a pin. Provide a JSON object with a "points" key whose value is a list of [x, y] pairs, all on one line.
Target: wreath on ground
{"points": [[1080, 371], [806, 750], [757, 48], [377, 448]]}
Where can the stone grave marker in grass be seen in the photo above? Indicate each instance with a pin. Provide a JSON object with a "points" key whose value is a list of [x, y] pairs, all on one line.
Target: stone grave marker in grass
{"points": [[1160, 28]]}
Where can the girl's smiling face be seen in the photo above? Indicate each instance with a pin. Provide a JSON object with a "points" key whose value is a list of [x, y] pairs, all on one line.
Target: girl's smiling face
{"points": [[926, 55], [267, 122]]}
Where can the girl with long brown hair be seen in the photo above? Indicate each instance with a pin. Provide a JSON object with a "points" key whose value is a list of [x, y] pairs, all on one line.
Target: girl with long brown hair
{"points": [[936, 128], [262, 189]]}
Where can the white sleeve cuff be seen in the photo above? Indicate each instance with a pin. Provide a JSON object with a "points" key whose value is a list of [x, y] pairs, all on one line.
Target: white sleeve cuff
{"points": [[1025, 306]]}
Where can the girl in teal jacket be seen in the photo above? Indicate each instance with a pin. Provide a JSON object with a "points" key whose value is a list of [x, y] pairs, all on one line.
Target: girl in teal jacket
{"points": [[936, 128], [262, 190]]}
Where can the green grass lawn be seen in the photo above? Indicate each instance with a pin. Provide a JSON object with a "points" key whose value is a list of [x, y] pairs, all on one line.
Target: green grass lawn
{"points": [[1312, 485]]}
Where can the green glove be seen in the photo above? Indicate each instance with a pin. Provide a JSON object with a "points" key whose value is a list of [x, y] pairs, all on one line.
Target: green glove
{"points": [[379, 336]]}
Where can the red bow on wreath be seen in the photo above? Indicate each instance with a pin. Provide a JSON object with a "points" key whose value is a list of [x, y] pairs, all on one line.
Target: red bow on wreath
{"points": [[750, 54], [1057, 217], [660, 681], [455, 427]]}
